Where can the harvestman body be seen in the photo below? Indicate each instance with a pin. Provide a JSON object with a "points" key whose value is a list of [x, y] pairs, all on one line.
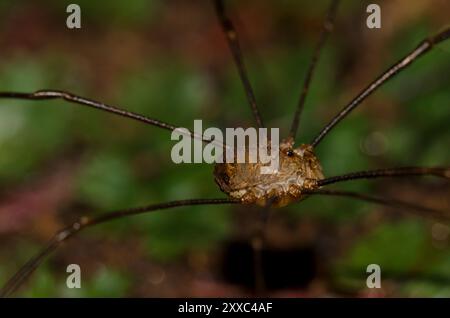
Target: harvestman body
{"points": [[299, 174], [299, 171]]}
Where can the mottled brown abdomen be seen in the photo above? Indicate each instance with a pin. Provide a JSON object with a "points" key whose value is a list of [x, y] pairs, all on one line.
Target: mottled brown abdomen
{"points": [[299, 170]]}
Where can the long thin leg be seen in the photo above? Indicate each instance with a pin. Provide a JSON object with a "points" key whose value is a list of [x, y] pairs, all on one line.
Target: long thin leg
{"points": [[442, 216], [72, 98], [394, 172], [84, 222], [424, 47], [233, 43], [258, 243], [327, 28]]}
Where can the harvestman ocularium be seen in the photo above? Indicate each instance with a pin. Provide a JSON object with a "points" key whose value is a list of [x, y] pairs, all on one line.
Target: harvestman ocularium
{"points": [[298, 164]]}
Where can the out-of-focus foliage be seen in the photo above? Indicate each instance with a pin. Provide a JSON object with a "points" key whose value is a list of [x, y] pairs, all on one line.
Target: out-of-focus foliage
{"points": [[141, 55]]}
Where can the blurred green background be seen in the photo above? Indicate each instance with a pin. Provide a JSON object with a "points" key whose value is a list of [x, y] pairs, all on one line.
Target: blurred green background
{"points": [[169, 60]]}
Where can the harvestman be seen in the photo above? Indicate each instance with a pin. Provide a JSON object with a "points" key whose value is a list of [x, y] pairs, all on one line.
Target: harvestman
{"points": [[300, 174]]}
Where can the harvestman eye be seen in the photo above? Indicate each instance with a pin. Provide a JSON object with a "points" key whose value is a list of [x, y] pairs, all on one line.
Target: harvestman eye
{"points": [[298, 178]]}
